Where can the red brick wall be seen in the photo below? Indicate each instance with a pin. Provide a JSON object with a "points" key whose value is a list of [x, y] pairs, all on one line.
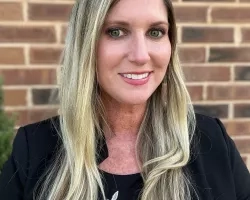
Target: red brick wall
{"points": [[214, 38], [214, 47]]}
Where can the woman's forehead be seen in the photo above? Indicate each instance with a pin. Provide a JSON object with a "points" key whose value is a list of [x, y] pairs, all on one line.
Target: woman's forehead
{"points": [[129, 10]]}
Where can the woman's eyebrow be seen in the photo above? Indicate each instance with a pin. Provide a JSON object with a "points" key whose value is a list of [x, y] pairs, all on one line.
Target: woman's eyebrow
{"points": [[124, 23], [160, 23]]}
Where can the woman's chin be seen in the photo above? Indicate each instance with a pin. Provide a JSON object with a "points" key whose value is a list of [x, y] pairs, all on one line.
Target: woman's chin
{"points": [[126, 98], [134, 100]]}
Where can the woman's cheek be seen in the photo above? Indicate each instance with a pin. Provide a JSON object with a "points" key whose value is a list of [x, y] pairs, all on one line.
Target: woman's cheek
{"points": [[162, 55]]}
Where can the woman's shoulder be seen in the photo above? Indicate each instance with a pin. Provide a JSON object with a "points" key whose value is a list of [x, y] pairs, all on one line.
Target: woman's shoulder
{"points": [[211, 135], [33, 150], [40, 137], [43, 128], [43, 125], [207, 123], [216, 163], [211, 128], [36, 141], [212, 146]]}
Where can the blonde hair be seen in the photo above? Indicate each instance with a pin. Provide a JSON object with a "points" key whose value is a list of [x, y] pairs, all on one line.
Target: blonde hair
{"points": [[163, 143]]}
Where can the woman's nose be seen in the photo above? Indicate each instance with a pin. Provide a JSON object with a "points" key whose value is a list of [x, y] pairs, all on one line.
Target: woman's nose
{"points": [[138, 52]]}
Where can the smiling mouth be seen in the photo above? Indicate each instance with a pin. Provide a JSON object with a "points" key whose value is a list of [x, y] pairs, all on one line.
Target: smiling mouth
{"points": [[136, 76]]}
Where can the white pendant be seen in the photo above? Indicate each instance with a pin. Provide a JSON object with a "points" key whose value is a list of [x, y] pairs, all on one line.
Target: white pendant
{"points": [[115, 196]]}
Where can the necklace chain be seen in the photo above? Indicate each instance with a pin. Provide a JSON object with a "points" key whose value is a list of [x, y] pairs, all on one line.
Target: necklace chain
{"points": [[115, 181]]}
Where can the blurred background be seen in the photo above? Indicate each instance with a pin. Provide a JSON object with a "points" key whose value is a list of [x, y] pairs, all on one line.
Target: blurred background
{"points": [[214, 48]]}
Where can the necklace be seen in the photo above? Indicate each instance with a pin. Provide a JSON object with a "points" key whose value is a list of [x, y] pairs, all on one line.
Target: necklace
{"points": [[134, 180], [115, 195], [115, 181]]}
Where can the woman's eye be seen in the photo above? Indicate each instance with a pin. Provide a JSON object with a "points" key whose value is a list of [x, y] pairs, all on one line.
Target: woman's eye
{"points": [[115, 32], [156, 33]]}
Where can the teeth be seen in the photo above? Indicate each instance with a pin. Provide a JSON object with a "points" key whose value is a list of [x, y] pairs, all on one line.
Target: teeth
{"points": [[136, 76]]}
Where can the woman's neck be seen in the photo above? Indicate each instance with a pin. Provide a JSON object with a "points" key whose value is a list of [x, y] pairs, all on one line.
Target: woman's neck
{"points": [[124, 120]]}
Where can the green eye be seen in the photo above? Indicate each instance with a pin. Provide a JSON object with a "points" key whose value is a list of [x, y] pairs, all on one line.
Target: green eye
{"points": [[156, 33], [115, 33]]}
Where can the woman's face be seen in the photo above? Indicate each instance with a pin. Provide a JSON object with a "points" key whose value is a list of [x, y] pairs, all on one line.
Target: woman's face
{"points": [[134, 50]]}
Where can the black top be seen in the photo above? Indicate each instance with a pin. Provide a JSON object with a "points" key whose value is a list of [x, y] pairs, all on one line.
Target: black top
{"points": [[216, 168], [122, 187]]}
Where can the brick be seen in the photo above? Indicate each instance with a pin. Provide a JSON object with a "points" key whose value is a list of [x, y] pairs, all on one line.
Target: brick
{"points": [[195, 92], [49, 12], [11, 11], [229, 54], [228, 92], [192, 55], [242, 110], [28, 116], [15, 97], [42, 97], [220, 111], [194, 74], [245, 35], [20, 117], [231, 15], [191, 14], [28, 77], [45, 55], [241, 92], [219, 93], [11, 55], [238, 128], [36, 115], [28, 34], [243, 145], [242, 73], [207, 35]]}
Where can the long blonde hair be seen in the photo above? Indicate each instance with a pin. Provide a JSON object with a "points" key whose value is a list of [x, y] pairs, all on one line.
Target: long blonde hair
{"points": [[163, 143]]}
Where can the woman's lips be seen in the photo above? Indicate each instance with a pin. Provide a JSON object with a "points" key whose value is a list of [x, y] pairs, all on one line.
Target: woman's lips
{"points": [[136, 82]]}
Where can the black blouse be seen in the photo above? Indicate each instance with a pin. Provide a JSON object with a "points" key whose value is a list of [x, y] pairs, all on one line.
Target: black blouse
{"points": [[122, 187], [216, 168]]}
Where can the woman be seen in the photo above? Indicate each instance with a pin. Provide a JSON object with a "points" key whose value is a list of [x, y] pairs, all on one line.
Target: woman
{"points": [[127, 129]]}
